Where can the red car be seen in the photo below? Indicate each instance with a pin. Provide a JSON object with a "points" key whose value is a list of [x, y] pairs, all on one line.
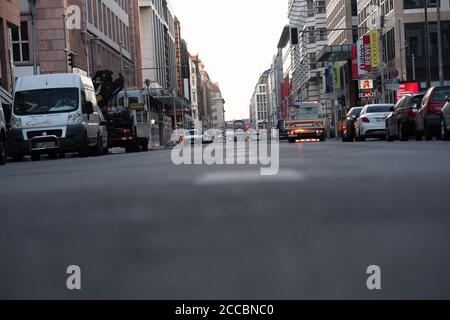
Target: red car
{"points": [[428, 119]]}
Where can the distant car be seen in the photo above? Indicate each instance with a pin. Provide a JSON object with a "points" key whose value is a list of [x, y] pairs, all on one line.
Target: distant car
{"points": [[196, 136], [193, 136], [428, 120], [348, 126], [372, 121], [445, 121], [401, 123], [2, 136]]}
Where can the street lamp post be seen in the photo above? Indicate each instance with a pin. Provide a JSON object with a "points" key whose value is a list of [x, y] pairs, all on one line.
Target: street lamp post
{"points": [[33, 4], [427, 46]]}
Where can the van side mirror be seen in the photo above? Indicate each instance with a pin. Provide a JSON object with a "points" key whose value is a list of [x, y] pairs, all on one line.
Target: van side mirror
{"points": [[391, 109], [88, 107], [447, 98]]}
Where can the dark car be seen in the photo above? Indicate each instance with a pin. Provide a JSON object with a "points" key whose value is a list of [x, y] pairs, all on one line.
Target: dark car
{"points": [[348, 125], [445, 121], [401, 123], [428, 120]]}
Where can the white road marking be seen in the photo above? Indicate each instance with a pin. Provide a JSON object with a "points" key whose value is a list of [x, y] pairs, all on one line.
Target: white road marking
{"points": [[249, 177]]}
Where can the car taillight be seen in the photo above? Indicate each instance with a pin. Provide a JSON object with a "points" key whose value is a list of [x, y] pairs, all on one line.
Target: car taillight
{"points": [[365, 120]]}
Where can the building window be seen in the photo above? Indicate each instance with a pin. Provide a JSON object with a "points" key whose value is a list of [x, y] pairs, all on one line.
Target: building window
{"points": [[20, 43]]}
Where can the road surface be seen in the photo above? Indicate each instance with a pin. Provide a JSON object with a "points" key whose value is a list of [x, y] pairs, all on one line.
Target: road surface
{"points": [[140, 227]]}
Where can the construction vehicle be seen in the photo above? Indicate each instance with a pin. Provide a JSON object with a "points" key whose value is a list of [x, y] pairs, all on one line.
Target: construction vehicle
{"points": [[126, 111]]}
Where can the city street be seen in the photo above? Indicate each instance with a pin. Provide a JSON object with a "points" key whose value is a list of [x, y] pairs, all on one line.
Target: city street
{"points": [[141, 227]]}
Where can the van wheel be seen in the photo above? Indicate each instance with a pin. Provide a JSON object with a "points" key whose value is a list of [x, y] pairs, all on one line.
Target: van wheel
{"points": [[2, 151], [144, 145], [98, 149], [35, 156]]}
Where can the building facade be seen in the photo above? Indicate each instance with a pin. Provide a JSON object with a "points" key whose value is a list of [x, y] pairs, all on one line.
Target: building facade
{"points": [[9, 25], [218, 108], [102, 35], [260, 105], [158, 43], [309, 16]]}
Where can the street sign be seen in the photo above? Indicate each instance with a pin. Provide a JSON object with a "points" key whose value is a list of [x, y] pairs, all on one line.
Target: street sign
{"points": [[366, 84], [395, 74]]}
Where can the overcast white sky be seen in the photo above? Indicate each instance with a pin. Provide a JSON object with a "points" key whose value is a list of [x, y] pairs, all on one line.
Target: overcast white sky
{"points": [[236, 39]]}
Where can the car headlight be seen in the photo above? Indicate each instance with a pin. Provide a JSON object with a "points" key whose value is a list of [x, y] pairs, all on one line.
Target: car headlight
{"points": [[74, 118], [16, 122]]}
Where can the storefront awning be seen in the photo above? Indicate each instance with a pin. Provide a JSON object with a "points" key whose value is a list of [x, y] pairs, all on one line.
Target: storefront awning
{"points": [[340, 52]]}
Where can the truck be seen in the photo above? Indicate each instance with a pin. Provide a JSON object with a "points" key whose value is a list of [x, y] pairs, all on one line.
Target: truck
{"points": [[126, 111], [130, 121], [306, 121]]}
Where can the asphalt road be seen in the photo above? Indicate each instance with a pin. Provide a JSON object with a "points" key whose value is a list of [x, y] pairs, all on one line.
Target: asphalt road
{"points": [[140, 227]]}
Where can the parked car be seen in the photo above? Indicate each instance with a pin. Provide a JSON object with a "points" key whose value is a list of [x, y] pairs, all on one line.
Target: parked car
{"points": [[372, 121], [445, 121], [54, 114], [348, 126], [401, 123], [428, 120], [2, 136]]}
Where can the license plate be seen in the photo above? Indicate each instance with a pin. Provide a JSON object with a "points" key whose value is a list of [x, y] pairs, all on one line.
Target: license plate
{"points": [[381, 119], [45, 145]]}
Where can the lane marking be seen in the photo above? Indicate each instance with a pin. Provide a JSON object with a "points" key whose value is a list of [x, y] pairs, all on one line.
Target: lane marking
{"points": [[249, 177]]}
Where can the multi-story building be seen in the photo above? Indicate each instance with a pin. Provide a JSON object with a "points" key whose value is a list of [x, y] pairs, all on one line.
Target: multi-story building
{"points": [[404, 40], [194, 93], [218, 108], [309, 17], [158, 43], [103, 35], [260, 103], [9, 24]]}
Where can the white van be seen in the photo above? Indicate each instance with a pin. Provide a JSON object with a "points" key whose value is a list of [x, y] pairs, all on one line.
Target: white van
{"points": [[2, 136], [56, 114]]}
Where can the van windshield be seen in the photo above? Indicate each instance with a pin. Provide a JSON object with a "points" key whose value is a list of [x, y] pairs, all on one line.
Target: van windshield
{"points": [[45, 101]]}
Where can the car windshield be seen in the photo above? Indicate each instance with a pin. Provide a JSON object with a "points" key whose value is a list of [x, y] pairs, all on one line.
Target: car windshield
{"points": [[192, 133], [45, 101], [307, 112], [354, 112], [441, 94], [417, 101], [379, 108]]}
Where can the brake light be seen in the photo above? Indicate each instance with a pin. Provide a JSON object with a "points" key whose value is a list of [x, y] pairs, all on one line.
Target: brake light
{"points": [[365, 120]]}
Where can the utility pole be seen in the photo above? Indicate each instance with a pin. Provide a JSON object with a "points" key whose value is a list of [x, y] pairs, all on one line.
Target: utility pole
{"points": [[32, 5], [439, 44], [383, 84], [401, 49], [427, 46]]}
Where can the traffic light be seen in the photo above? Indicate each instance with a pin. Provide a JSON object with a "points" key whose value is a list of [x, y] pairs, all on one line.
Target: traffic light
{"points": [[71, 59]]}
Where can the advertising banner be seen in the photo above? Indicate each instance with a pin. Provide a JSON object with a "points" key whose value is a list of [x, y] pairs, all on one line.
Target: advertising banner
{"points": [[375, 48], [361, 58], [354, 61], [367, 53]]}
